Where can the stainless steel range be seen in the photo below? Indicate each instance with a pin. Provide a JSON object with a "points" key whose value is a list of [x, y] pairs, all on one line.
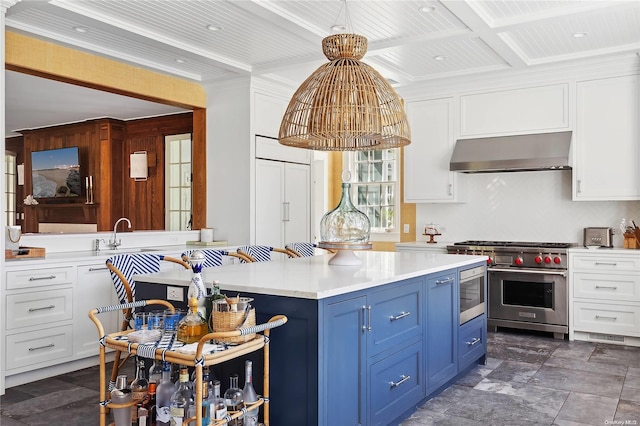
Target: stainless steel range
{"points": [[527, 284]]}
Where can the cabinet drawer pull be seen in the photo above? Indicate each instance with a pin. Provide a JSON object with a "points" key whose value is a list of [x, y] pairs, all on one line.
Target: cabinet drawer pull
{"points": [[42, 308], [98, 269], [50, 345], [605, 317], [397, 317], [50, 277], [403, 379], [606, 264], [474, 341], [445, 281], [612, 287], [366, 321]]}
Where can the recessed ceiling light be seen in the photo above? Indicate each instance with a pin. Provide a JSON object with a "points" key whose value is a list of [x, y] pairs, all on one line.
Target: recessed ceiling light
{"points": [[579, 35], [426, 9], [213, 27], [81, 29], [338, 28], [180, 61], [439, 58]]}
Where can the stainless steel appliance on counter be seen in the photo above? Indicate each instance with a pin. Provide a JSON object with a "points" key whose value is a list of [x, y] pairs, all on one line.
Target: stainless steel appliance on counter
{"points": [[527, 284]]}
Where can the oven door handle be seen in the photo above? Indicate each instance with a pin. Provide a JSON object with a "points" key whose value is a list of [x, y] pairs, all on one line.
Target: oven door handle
{"points": [[529, 271]]}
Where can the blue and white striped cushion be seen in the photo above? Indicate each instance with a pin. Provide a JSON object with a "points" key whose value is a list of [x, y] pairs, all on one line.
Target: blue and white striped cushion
{"points": [[130, 265], [212, 258], [305, 249], [259, 253]]}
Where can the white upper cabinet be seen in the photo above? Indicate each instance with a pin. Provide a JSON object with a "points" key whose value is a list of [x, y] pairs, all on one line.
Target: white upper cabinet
{"points": [[515, 111], [607, 139], [427, 178], [267, 114]]}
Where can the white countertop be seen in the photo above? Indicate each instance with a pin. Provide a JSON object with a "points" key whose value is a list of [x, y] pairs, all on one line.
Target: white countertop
{"points": [[314, 278]]}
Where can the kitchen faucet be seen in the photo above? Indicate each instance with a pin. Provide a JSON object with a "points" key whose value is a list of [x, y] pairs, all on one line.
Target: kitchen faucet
{"points": [[114, 242]]}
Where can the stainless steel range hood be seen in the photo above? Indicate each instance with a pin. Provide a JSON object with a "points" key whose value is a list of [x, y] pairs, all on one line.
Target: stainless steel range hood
{"points": [[544, 151]]}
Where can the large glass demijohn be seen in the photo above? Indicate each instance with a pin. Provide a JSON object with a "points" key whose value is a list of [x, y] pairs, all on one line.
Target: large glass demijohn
{"points": [[345, 224]]}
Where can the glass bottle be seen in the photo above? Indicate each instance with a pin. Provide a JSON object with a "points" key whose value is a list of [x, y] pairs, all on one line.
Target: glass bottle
{"points": [[196, 287], [139, 387], [234, 400], [155, 372], [180, 400], [217, 404], [250, 395], [345, 223], [205, 406], [147, 411], [192, 327], [164, 392]]}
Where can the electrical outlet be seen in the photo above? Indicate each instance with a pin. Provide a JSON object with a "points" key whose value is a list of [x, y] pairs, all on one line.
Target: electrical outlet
{"points": [[406, 228], [175, 294]]}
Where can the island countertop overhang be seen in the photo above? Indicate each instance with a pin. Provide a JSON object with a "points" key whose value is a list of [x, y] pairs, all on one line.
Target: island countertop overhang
{"points": [[314, 278]]}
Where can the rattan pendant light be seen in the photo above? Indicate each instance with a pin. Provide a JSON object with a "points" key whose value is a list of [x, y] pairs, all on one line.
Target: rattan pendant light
{"points": [[345, 105]]}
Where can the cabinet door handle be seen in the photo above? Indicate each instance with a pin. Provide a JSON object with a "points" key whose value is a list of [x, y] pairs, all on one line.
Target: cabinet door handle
{"points": [[42, 308], [285, 211], [364, 318], [579, 188], [50, 345], [98, 269], [612, 287], [450, 189], [605, 317], [445, 281], [397, 317], [403, 379], [474, 341], [369, 318], [606, 264], [50, 277]]}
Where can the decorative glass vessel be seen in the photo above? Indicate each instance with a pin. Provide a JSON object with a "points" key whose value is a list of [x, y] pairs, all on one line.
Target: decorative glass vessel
{"points": [[345, 224], [196, 287], [192, 327]]}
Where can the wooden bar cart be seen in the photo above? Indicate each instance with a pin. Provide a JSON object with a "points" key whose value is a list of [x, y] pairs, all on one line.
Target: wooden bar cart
{"points": [[119, 341]]}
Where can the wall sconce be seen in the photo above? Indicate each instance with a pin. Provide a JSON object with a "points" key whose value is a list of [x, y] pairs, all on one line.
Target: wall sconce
{"points": [[139, 167]]}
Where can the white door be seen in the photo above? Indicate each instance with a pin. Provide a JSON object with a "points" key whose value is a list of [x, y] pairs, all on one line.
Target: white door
{"points": [[297, 209]]}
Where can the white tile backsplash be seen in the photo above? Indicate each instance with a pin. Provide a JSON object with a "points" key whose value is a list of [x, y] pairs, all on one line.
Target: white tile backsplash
{"points": [[523, 206]]}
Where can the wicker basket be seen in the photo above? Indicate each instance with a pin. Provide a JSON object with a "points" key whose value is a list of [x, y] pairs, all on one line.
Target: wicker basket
{"points": [[230, 321]]}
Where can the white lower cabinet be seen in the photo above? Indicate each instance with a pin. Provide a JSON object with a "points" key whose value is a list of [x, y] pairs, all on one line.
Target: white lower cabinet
{"points": [[605, 297], [40, 348], [93, 289]]}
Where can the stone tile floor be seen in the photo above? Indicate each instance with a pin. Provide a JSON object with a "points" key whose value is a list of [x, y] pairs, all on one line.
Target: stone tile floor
{"points": [[529, 379], [532, 379]]}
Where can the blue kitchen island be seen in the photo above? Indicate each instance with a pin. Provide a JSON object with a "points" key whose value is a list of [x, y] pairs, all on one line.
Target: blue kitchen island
{"points": [[364, 345]]}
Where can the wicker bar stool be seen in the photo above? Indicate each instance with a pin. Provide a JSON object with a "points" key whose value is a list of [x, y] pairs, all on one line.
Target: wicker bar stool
{"points": [[304, 249], [214, 258], [261, 253], [122, 268]]}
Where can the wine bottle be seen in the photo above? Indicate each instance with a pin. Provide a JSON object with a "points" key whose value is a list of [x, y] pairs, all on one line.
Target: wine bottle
{"points": [[164, 392], [234, 400], [180, 399], [250, 395], [139, 388], [147, 411], [218, 405]]}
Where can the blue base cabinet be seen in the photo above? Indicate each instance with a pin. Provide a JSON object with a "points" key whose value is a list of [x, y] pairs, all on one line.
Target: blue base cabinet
{"points": [[364, 358]]}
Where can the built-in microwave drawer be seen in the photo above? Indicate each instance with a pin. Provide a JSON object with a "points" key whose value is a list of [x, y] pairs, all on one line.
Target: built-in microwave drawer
{"points": [[396, 315], [601, 287], [607, 318], [27, 278], [472, 341], [396, 384]]}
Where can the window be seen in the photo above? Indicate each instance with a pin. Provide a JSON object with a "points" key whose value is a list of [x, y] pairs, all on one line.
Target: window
{"points": [[10, 189], [374, 186], [178, 182]]}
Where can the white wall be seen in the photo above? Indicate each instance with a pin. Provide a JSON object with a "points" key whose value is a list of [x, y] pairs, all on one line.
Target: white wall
{"points": [[523, 206]]}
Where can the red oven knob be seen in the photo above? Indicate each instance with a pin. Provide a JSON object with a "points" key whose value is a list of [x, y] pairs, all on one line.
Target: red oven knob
{"points": [[518, 261], [547, 259], [538, 259], [557, 260], [490, 261]]}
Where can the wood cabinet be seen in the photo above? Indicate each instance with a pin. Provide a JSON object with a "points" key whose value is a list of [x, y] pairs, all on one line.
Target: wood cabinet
{"points": [[442, 329], [607, 139], [605, 297], [426, 160], [515, 111], [283, 203]]}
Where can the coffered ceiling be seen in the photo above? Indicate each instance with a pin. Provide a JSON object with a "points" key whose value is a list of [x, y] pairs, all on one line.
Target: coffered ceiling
{"points": [[409, 41]]}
